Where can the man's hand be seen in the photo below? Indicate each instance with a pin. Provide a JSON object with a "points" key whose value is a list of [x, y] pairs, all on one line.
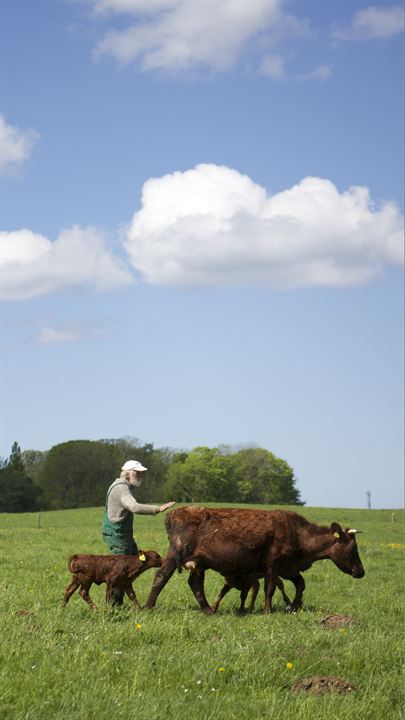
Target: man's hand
{"points": [[166, 506]]}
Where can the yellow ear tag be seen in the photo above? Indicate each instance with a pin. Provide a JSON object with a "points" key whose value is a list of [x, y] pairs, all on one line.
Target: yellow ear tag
{"points": [[142, 558], [336, 535]]}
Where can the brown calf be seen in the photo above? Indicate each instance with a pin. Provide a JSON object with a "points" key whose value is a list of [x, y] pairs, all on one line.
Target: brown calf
{"points": [[114, 570], [244, 583]]}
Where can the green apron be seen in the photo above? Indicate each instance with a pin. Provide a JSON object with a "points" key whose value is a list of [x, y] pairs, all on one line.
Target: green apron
{"points": [[119, 535]]}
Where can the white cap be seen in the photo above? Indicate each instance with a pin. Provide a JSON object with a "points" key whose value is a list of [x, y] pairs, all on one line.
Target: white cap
{"points": [[133, 465]]}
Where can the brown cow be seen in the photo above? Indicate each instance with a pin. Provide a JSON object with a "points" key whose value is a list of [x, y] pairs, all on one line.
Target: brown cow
{"points": [[114, 570], [273, 543]]}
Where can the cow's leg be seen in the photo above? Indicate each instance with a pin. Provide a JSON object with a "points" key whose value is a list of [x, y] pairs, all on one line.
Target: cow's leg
{"points": [[286, 599], [129, 590], [161, 578], [84, 592], [224, 591], [299, 583], [70, 590], [196, 582], [255, 587]]}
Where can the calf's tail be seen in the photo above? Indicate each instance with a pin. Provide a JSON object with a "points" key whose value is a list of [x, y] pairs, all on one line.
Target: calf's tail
{"points": [[71, 563]]}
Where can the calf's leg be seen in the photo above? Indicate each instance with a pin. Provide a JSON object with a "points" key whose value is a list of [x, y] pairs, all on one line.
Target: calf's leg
{"points": [[299, 583], [255, 587], [286, 599], [131, 594], [270, 584], [84, 592], [196, 583], [224, 591], [71, 588]]}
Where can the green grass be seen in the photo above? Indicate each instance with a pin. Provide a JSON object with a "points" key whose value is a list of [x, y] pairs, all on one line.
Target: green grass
{"points": [[175, 662]]}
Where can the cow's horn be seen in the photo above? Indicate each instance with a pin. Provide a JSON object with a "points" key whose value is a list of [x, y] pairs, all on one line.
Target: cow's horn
{"points": [[352, 531]]}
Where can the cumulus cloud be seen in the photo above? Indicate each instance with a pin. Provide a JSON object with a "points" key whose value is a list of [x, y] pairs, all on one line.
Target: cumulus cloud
{"points": [[372, 23], [15, 145], [182, 35], [32, 265], [212, 226]]}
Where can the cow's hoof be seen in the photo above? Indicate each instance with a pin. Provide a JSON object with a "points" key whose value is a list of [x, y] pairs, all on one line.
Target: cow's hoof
{"points": [[208, 611]]}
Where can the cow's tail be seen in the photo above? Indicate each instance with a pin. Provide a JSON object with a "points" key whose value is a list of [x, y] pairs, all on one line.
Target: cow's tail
{"points": [[177, 557], [175, 544]]}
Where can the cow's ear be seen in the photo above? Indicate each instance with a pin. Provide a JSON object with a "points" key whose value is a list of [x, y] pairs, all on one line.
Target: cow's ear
{"points": [[337, 531]]}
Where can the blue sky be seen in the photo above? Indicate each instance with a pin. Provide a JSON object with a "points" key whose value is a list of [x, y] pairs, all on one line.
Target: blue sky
{"points": [[202, 231]]}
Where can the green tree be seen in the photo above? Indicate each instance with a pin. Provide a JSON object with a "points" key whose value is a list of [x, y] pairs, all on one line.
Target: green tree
{"points": [[78, 473], [17, 492], [33, 461], [15, 461], [203, 475], [261, 477]]}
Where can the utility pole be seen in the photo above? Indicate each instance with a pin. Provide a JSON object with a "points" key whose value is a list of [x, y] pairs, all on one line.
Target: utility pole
{"points": [[368, 493]]}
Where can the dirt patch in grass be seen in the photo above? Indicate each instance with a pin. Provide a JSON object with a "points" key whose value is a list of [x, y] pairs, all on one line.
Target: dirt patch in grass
{"points": [[34, 628], [24, 613], [338, 621], [320, 684]]}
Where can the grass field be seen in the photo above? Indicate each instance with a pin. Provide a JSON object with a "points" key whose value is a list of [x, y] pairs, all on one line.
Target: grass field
{"points": [[175, 662]]}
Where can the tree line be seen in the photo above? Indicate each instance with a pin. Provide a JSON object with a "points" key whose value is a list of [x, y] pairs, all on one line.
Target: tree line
{"points": [[77, 474]]}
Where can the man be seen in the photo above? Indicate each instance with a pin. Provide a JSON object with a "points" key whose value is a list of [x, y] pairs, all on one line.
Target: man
{"points": [[120, 507]]}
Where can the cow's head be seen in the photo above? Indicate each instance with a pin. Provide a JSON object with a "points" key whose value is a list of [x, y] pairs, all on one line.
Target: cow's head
{"points": [[344, 552]]}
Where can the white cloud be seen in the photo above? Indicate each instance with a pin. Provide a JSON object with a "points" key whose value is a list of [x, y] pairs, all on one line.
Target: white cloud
{"points": [[31, 265], [212, 226], [68, 332], [182, 35], [372, 23], [273, 66], [129, 7], [319, 74], [15, 145], [50, 336]]}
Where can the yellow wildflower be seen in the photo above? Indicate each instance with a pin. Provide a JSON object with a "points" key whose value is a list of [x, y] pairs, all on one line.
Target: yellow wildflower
{"points": [[289, 665], [138, 626], [221, 669]]}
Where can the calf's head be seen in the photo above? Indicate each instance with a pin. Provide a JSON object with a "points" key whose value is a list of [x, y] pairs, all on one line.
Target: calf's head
{"points": [[344, 552], [150, 558]]}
